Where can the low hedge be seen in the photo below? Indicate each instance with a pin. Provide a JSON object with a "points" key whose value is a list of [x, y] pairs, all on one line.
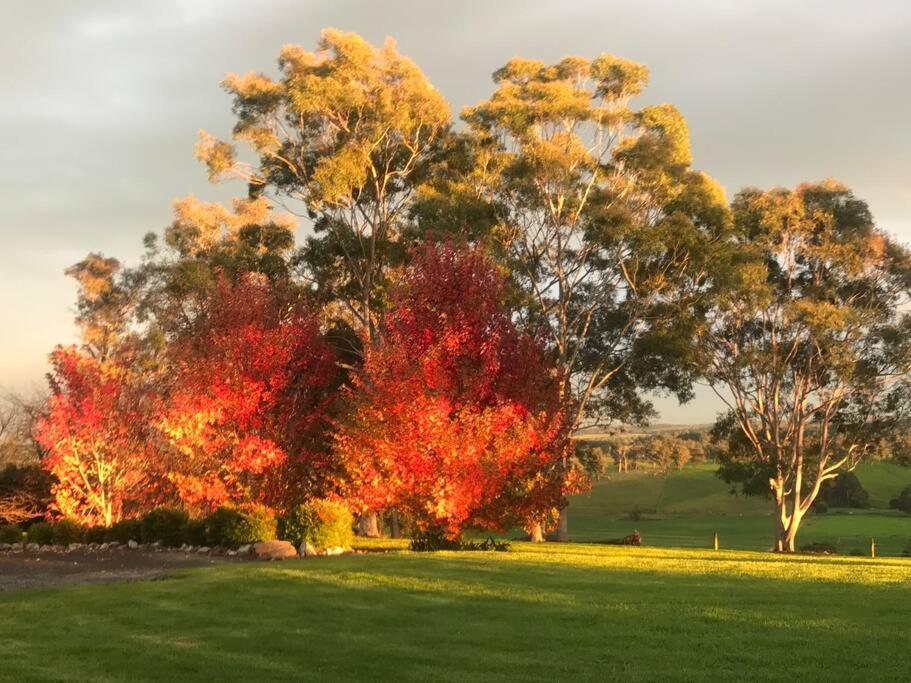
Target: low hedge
{"points": [[10, 533], [41, 533], [321, 523], [236, 526], [124, 531], [67, 531], [164, 525]]}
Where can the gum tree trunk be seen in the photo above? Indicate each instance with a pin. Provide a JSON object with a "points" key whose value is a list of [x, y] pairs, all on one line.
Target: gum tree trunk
{"points": [[563, 526], [536, 532]]}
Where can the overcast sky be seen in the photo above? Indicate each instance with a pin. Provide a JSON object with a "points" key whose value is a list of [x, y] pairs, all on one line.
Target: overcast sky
{"points": [[100, 103]]}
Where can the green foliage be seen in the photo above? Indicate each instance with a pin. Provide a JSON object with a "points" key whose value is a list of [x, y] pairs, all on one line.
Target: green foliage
{"points": [[819, 548], [321, 523], [845, 491], [234, 526], [902, 501], [194, 532], [125, 530], [96, 534], [67, 531], [10, 533], [434, 540], [41, 533], [164, 525]]}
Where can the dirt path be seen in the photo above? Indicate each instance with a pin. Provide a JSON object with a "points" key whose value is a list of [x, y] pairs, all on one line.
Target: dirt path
{"points": [[45, 569]]}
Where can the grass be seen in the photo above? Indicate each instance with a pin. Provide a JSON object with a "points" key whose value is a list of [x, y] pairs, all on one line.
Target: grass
{"points": [[685, 508], [535, 613]]}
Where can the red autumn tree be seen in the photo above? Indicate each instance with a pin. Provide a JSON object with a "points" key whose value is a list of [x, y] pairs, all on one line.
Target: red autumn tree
{"points": [[456, 417], [248, 403], [96, 434]]}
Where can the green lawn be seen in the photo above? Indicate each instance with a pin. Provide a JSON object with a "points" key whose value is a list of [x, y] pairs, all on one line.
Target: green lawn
{"points": [[551, 612], [685, 508]]}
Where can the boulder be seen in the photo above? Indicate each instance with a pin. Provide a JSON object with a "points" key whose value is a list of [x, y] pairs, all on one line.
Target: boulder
{"points": [[203, 549], [335, 550], [5, 546], [307, 550], [74, 546], [132, 545], [33, 547], [244, 549], [274, 550]]}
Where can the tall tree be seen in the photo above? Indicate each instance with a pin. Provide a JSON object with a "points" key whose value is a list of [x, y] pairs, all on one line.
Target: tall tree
{"points": [[348, 132], [601, 221], [806, 339], [456, 418]]}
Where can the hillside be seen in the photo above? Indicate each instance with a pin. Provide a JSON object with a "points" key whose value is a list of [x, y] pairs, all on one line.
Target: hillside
{"points": [[685, 508]]}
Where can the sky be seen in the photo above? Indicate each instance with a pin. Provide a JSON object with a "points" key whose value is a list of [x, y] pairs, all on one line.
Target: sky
{"points": [[100, 104]]}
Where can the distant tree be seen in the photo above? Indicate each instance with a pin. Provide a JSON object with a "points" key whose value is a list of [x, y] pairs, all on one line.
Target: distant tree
{"points": [[662, 451], [806, 339], [845, 491], [456, 418]]}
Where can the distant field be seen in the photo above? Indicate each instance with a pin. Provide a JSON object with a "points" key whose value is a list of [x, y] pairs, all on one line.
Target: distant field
{"points": [[686, 507], [551, 612]]}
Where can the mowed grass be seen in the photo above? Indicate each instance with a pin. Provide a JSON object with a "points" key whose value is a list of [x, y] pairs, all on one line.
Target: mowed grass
{"points": [[685, 508], [550, 612]]}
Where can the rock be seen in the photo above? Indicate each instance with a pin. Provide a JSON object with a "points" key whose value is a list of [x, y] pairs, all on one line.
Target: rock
{"points": [[335, 550], [274, 550], [113, 544], [244, 549], [104, 546], [156, 544], [46, 549], [231, 553], [74, 546], [203, 549], [5, 547], [33, 547], [307, 550], [132, 545]]}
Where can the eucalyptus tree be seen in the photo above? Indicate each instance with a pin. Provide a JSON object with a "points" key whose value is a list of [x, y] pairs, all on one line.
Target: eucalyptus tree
{"points": [[806, 336], [346, 133], [602, 222]]}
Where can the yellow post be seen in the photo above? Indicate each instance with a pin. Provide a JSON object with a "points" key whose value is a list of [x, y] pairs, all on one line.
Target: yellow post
{"points": [[872, 547], [715, 539]]}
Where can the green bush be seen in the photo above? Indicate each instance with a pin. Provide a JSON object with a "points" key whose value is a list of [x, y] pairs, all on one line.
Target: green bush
{"points": [[234, 526], [96, 534], [10, 533], [125, 530], [194, 532], [41, 533], [845, 491], [322, 523], [67, 531], [902, 501], [819, 548], [434, 540], [164, 525]]}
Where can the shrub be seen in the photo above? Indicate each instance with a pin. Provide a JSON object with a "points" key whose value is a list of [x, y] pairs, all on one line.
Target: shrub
{"points": [[845, 491], [819, 548], [67, 531], [10, 533], [25, 492], [194, 532], [125, 530], [434, 540], [96, 534], [321, 523], [234, 526], [41, 533], [902, 501], [164, 525]]}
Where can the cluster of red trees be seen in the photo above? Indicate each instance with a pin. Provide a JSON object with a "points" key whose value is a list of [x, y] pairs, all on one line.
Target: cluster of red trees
{"points": [[454, 418]]}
